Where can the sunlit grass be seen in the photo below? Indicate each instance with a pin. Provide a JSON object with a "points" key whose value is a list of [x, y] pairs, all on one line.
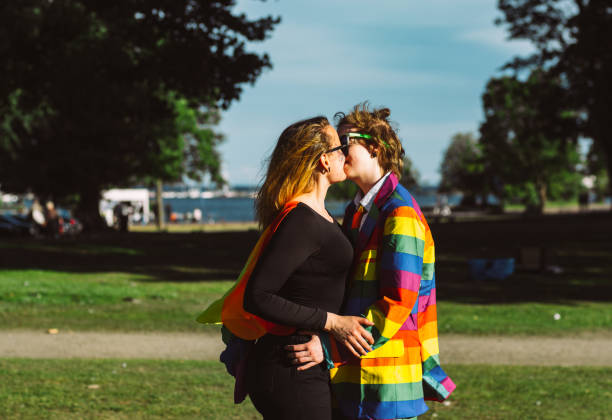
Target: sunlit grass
{"points": [[137, 389], [196, 227], [102, 301], [127, 302]]}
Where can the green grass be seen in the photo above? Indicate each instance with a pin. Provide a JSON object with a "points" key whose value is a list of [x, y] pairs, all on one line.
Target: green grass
{"points": [[196, 227], [161, 281], [524, 318], [32, 299], [559, 206], [59, 389], [127, 302]]}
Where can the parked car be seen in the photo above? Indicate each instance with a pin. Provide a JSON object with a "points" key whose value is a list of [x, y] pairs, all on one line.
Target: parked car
{"points": [[20, 225], [7, 228], [17, 225]]}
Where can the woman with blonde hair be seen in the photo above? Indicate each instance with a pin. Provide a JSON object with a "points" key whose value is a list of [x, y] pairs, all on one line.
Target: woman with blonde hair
{"points": [[296, 279]]}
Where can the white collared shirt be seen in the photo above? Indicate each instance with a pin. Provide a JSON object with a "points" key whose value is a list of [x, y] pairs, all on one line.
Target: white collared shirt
{"points": [[368, 200]]}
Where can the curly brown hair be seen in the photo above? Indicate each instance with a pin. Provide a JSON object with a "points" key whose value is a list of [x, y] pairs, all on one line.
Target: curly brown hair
{"points": [[376, 123]]}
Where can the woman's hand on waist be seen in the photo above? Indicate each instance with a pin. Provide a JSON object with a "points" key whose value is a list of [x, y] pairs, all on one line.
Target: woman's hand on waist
{"points": [[308, 354]]}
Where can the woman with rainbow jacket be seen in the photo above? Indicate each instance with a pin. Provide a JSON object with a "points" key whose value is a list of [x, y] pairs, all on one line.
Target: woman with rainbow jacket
{"points": [[391, 283]]}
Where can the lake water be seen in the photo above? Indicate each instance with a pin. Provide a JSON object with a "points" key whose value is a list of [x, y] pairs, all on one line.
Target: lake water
{"points": [[238, 209]]}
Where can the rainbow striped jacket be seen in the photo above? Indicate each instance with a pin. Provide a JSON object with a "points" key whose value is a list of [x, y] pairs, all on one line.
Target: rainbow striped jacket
{"points": [[393, 285]]}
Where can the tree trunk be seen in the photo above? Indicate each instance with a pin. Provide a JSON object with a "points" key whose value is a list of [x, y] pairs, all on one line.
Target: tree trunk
{"points": [[541, 186], [88, 210], [159, 217], [600, 125]]}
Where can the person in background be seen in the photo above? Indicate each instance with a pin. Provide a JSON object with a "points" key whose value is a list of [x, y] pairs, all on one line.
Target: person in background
{"points": [[168, 212], [197, 215], [392, 282], [37, 215], [52, 220]]}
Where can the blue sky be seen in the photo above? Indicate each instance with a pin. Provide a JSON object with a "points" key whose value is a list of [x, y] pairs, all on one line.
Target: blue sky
{"points": [[427, 60]]}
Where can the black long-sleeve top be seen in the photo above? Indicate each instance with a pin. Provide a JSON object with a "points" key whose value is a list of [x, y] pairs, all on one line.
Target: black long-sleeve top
{"points": [[301, 274]]}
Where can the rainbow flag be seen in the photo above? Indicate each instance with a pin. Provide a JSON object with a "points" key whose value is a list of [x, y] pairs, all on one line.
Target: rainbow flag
{"points": [[229, 309]]}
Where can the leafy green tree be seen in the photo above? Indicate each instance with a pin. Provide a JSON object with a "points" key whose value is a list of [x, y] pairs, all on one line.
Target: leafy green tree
{"points": [[528, 138], [572, 38], [410, 175], [190, 150], [461, 169], [97, 94]]}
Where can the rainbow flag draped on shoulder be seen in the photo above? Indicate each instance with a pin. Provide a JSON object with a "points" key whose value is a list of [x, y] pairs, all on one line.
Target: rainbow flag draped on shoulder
{"points": [[393, 285], [241, 328], [229, 308]]}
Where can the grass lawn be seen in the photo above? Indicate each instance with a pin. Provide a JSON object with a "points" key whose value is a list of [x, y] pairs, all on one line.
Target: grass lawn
{"points": [[65, 389], [161, 281], [114, 301], [197, 227], [34, 299]]}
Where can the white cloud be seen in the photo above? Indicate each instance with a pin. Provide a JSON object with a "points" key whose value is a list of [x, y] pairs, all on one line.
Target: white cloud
{"points": [[496, 37], [361, 75], [328, 56], [426, 60]]}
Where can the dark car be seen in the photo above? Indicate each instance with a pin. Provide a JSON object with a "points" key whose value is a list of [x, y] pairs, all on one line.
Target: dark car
{"points": [[7, 228], [17, 225]]}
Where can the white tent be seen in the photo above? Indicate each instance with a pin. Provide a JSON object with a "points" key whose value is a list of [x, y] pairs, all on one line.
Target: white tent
{"points": [[137, 197]]}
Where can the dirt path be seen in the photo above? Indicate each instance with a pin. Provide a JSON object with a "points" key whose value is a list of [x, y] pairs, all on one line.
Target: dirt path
{"points": [[586, 349]]}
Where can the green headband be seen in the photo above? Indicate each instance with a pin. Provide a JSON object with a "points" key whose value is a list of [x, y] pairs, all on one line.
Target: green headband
{"points": [[367, 136]]}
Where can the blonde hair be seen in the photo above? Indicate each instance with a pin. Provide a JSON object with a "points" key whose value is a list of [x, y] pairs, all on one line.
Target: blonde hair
{"points": [[376, 123], [291, 167]]}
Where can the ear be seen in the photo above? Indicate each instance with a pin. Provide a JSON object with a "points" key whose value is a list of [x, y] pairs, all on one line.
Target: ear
{"points": [[324, 162]]}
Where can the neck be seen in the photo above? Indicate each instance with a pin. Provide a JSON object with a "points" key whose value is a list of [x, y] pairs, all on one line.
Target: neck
{"points": [[366, 182], [316, 198]]}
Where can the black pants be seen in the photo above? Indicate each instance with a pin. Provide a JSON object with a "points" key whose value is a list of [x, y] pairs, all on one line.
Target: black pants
{"points": [[279, 391]]}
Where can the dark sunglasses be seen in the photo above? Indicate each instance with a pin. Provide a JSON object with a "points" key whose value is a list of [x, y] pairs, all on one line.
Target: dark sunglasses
{"points": [[345, 142]]}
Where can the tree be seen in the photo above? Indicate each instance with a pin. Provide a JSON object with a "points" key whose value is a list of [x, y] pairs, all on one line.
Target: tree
{"points": [[98, 94], [410, 175], [528, 138], [572, 38], [462, 169]]}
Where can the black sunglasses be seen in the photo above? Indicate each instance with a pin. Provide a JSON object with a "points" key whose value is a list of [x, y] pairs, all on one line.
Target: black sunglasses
{"points": [[345, 142]]}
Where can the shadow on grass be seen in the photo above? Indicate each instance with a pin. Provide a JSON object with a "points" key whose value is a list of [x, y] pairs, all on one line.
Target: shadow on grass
{"points": [[157, 256], [580, 244]]}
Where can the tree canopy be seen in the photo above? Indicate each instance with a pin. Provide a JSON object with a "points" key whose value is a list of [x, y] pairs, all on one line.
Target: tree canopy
{"points": [[528, 139], [98, 94], [461, 169], [572, 38]]}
